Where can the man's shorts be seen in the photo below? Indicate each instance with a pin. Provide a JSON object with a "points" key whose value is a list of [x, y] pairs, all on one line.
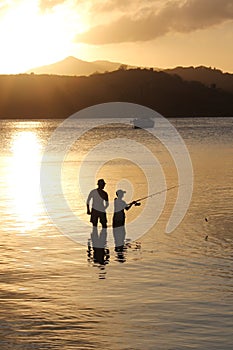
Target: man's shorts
{"points": [[95, 215]]}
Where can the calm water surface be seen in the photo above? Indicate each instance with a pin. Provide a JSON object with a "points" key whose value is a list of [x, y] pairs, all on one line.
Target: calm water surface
{"points": [[165, 292]]}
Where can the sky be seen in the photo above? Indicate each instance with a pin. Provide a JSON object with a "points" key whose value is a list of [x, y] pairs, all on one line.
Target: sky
{"points": [[151, 33]]}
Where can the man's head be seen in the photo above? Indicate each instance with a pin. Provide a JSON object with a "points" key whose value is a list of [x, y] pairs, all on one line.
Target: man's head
{"points": [[101, 183]]}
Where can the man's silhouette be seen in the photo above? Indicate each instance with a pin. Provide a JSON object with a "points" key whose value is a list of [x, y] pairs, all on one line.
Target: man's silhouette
{"points": [[100, 203]]}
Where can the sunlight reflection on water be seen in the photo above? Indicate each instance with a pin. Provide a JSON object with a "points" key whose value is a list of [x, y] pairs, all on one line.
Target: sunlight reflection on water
{"points": [[23, 179]]}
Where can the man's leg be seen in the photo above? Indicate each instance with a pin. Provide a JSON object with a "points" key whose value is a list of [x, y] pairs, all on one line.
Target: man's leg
{"points": [[103, 220], [94, 218]]}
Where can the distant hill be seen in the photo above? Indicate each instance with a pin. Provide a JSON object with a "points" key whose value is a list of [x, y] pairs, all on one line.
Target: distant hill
{"points": [[74, 66], [214, 78], [209, 76], [54, 96]]}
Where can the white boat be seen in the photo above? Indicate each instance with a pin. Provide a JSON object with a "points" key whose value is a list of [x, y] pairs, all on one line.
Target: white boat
{"points": [[143, 123]]}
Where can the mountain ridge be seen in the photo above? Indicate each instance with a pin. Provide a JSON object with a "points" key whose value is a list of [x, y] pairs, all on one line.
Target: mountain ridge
{"points": [[212, 77], [73, 66]]}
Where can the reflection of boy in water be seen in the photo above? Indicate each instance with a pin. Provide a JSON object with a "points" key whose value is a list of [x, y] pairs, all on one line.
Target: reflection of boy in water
{"points": [[100, 203], [118, 223]]}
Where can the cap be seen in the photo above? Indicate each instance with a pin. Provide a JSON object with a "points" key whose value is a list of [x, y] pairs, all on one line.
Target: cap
{"points": [[119, 192]]}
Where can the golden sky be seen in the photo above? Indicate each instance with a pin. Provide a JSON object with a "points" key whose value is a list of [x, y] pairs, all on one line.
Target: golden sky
{"points": [[158, 33]]}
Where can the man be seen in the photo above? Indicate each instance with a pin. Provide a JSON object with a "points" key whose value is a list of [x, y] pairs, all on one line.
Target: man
{"points": [[100, 203]]}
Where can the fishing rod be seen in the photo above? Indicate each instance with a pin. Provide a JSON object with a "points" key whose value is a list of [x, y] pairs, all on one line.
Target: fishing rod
{"points": [[153, 194]]}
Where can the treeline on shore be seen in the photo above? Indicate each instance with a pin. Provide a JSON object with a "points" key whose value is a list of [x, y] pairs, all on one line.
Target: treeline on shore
{"points": [[53, 96]]}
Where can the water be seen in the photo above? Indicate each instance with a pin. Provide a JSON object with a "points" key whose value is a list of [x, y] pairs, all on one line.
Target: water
{"points": [[166, 292]]}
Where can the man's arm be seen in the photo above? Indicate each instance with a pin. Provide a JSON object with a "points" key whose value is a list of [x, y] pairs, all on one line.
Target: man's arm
{"points": [[88, 210], [88, 203], [106, 201]]}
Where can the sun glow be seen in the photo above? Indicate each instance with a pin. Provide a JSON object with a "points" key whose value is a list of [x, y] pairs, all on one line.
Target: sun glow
{"points": [[24, 180], [30, 37]]}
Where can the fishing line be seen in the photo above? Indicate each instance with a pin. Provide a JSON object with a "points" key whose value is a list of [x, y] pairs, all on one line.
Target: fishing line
{"points": [[154, 194]]}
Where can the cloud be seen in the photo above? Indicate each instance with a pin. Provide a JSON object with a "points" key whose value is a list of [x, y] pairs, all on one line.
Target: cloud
{"points": [[151, 22], [121, 5], [49, 4]]}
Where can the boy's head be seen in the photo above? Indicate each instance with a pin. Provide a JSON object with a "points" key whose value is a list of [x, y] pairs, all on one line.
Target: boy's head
{"points": [[120, 193]]}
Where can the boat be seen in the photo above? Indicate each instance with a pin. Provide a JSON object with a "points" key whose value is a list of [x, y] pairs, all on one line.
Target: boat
{"points": [[143, 123]]}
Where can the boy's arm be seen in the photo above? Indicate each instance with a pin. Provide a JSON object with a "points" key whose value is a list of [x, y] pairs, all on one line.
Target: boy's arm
{"points": [[132, 203]]}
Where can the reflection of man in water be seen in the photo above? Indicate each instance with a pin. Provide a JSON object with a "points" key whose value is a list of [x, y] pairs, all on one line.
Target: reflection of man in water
{"points": [[99, 244], [118, 223], [100, 203]]}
